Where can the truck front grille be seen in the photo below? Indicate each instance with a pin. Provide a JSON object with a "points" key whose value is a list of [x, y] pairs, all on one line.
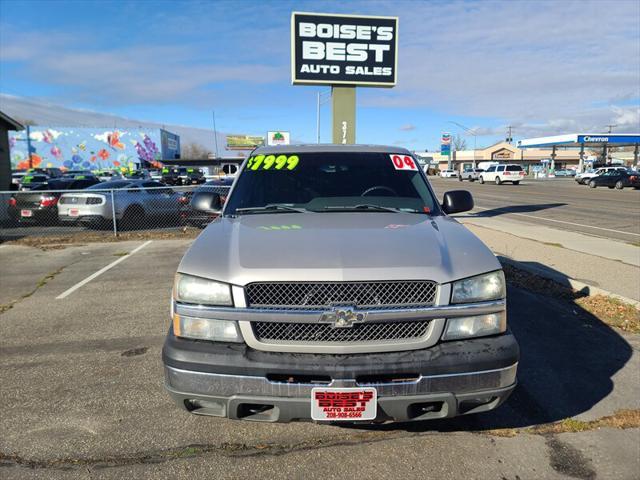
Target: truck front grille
{"points": [[322, 295], [276, 332]]}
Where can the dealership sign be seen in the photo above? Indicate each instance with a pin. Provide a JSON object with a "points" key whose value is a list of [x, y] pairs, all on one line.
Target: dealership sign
{"points": [[244, 142], [278, 137], [331, 49]]}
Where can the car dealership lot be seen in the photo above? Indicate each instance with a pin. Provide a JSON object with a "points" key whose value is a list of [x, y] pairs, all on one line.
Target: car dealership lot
{"points": [[558, 203], [82, 391]]}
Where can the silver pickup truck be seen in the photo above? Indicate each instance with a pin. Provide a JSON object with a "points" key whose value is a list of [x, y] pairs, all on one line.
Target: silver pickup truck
{"points": [[335, 287]]}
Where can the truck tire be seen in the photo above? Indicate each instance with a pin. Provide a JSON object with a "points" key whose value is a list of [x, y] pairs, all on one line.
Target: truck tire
{"points": [[498, 181]]}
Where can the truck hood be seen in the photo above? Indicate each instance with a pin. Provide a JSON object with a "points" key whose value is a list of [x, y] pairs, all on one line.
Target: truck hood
{"points": [[336, 246]]}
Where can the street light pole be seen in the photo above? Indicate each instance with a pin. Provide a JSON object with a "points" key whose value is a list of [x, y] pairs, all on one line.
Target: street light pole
{"points": [[470, 131], [319, 102]]}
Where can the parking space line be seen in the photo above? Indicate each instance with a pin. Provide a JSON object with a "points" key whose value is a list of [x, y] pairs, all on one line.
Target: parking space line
{"points": [[68, 292], [562, 221]]}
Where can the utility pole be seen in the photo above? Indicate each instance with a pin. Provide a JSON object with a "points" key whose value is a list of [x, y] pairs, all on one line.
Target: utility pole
{"points": [[611, 127], [215, 132], [509, 137]]}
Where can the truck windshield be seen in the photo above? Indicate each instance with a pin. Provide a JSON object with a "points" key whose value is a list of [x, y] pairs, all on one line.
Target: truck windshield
{"points": [[330, 182]]}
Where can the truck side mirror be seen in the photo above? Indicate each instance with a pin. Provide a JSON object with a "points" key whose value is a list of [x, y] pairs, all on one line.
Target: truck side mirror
{"points": [[457, 201], [209, 202]]}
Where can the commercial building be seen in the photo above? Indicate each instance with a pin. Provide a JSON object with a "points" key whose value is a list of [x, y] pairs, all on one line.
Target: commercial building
{"points": [[91, 148], [504, 152], [6, 124]]}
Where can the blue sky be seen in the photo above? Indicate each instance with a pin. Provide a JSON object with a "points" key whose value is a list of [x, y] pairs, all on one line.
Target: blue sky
{"points": [[544, 67]]}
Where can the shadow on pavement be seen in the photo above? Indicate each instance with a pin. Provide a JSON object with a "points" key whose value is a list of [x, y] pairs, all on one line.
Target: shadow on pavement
{"points": [[568, 359], [494, 212]]}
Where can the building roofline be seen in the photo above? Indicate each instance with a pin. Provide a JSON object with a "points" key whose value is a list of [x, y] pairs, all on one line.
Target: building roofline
{"points": [[14, 123]]}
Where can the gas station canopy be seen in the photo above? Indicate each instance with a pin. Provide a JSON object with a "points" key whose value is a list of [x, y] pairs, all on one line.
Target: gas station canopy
{"points": [[583, 139], [588, 140]]}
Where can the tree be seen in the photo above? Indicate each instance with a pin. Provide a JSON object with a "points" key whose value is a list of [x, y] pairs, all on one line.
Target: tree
{"points": [[459, 142], [194, 151]]}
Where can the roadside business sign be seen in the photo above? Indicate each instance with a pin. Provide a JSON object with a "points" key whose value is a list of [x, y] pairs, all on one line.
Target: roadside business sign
{"points": [[445, 144], [278, 137], [332, 49], [611, 138], [244, 142]]}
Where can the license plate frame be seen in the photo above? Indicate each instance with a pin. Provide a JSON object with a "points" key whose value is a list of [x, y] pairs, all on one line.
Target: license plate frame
{"points": [[330, 404], [74, 212], [25, 213]]}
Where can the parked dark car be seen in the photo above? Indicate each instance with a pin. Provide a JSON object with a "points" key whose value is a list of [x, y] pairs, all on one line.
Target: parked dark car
{"points": [[195, 177], [171, 176], [33, 180], [190, 214], [40, 204], [616, 179]]}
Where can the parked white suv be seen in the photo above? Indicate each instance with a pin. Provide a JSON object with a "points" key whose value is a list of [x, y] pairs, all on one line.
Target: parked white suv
{"points": [[502, 173]]}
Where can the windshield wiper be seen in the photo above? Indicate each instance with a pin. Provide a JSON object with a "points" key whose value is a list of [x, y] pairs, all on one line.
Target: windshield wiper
{"points": [[369, 206], [272, 208]]}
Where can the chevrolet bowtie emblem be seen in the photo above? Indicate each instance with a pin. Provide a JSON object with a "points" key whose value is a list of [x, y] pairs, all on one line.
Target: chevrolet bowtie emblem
{"points": [[343, 317]]}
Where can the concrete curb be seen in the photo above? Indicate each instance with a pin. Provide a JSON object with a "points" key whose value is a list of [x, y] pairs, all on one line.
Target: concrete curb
{"points": [[564, 281]]}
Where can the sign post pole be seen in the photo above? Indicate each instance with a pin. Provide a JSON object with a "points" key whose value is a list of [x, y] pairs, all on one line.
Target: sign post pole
{"points": [[343, 100]]}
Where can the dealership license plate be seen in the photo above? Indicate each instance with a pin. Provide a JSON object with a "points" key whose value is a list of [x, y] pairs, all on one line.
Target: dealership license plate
{"points": [[74, 212], [26, 213], [343, 404]]}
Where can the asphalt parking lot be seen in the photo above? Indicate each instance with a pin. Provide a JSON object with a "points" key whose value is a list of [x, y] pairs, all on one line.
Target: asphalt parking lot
{"points": [[82, 393], [558, 203]]}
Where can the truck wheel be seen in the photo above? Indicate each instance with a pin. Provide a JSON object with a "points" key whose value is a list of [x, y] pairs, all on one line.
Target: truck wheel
{"points": [[619, 185], [592, 184], [481, 180], [498, 181]]}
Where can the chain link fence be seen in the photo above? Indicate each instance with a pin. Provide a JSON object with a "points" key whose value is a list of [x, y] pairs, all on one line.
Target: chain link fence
{"points": [[40, 212]]}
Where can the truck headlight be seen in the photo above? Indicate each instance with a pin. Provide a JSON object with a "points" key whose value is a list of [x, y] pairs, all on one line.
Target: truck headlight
{"points": [[190, 289], [476, 326], [489, 286], [206, 329]]}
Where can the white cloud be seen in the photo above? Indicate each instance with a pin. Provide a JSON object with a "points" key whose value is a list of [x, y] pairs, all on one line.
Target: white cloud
{"points": [[541, 65], [408, 127]]}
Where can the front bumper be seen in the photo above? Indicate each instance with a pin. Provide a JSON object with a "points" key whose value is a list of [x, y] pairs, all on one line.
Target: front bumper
{"points": [[237, 382]]}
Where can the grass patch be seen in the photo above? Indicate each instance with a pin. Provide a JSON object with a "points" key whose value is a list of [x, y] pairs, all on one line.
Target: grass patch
{"points": [[608, 310], [621, 419], [635, 243], [61, 241], [121, 254], [553, 244], [612, 312]]}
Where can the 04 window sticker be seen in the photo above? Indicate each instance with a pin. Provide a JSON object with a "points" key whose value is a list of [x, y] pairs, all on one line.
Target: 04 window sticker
{"points": [[403, 162]]}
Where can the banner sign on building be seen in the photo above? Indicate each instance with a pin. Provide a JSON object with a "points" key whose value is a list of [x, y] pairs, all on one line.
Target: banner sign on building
{"points": [[331, 49], [244, 142], [278, 137], [445, 144]]}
